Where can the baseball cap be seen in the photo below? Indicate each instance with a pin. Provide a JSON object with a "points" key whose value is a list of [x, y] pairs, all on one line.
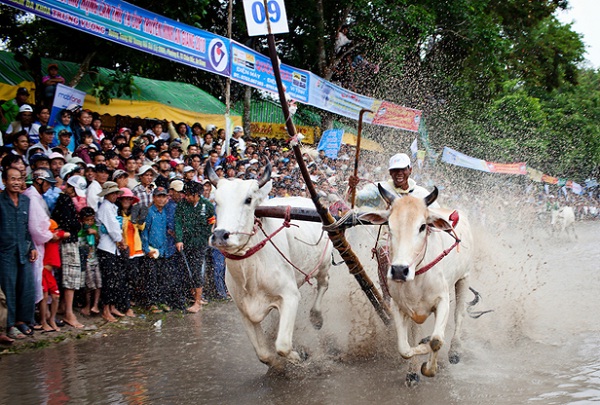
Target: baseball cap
{"points": [[44, 174], [188, 169], [46, 129], [25, 108], [22, 90], [56, 155], [36, 157], [210, 127], [176, 185], [124, 129], [79, 184], [118, 173], [160, 191], [399, 161], [151, 146], [238, 129]]}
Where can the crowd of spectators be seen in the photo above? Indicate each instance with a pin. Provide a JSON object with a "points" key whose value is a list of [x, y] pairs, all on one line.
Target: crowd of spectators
{"points": [[96, 222], [107, 221]]}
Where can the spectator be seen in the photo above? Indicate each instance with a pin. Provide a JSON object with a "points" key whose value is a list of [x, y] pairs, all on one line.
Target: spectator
{"points": [[144, 189], [193, 220], [94, 199], [114, 293], [39, 222], [49, 286], [88, 240], [64, 124], [17, 253], [11, 108], [65, 215], [50, 83], [23, 122], [81, 124]]}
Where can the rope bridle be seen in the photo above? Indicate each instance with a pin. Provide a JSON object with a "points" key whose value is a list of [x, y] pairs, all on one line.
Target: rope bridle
{"points": [[269, 238]]}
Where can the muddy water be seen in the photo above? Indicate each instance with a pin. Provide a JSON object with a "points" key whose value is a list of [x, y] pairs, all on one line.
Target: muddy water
{"points": [[540, 345]]}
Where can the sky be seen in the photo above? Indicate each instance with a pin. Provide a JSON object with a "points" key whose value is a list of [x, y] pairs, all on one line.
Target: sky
{"points": [[584, 16]]}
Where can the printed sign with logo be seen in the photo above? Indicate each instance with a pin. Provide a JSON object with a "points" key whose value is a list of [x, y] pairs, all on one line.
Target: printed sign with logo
{"points": [[257, 17]]}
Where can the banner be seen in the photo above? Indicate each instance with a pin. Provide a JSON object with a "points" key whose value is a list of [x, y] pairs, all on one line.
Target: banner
{"points": [[330, 142], [453, 157], [507, 168], [64, 97], [136, 28], [254, 69]]}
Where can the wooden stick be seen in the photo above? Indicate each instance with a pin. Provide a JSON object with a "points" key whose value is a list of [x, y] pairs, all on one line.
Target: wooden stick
{"points": [[360, 119]]}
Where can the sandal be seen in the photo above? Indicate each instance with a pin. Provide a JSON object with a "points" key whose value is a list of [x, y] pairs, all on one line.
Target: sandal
{"points": [[15, 333], [26, 330]]}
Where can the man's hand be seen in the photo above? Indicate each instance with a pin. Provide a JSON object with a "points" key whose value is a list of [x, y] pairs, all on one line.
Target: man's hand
{"points": [[33, 255], [353, 181], [179, 246]]}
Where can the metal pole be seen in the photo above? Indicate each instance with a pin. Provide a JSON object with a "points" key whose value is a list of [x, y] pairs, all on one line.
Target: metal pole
{"points": [[337, 237]]}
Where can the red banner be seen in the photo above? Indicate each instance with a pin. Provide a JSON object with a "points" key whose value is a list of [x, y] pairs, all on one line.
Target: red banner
{"points": [[393, 115], [507, 168]]}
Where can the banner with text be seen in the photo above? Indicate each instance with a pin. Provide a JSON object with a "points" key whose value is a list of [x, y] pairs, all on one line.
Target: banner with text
{"points": [[330, 142], [137, 28]]}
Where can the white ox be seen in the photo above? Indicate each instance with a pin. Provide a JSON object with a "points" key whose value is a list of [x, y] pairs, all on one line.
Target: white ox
{"points": [[265, 280], [417, 238], [563, 221]]}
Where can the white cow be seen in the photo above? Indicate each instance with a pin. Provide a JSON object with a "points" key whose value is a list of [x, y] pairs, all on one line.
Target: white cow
{"points": [[266, 280], [563, 221], [418, 237]]}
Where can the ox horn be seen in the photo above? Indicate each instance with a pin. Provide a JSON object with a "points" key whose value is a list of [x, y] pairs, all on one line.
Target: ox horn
{"points": [[266, 176], [431, 197], [387, 196], [212, 175]]}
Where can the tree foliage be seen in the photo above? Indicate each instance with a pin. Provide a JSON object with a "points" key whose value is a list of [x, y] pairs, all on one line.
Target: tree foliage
{"points": [[498, 79]]}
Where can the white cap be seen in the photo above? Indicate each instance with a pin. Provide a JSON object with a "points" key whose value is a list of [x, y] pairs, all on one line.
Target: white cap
{"points": [[188, 169], [25, 108], [210, 127], [145, 168], [68, 169], [399, 161], [238, 129], [79, 184], [253, 161]]}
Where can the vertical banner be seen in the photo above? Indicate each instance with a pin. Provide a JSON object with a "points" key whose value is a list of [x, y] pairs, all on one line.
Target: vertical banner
{"points": [[65, 97], [330, 142]]}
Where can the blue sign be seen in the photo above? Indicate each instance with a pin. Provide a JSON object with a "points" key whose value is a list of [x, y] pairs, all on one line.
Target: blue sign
{"points": [[330, 142]]}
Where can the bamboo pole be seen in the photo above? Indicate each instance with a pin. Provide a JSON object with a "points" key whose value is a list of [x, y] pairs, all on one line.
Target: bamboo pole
{"points": [[337, 237], [358, 137]]}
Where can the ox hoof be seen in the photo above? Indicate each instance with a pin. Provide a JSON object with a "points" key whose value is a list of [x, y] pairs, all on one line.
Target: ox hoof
{"points": [[427, 372], [316, 319], [435, 344], [454, 357], [412, 379], [294, 357], [425, 340]]}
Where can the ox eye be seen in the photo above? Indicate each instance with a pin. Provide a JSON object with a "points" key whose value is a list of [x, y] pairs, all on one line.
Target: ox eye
{"points": [[422, 228], [248, 201]]}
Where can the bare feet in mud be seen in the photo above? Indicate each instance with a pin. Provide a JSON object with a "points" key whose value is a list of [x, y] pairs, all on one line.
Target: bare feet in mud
{"points": [[74, 323]]}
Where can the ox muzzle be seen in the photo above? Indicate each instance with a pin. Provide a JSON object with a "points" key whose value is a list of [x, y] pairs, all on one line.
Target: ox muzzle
{"points": [[219, 238], [399, 272]]}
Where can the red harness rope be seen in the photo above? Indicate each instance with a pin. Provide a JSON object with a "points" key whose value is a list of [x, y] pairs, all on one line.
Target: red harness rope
{"points": [[440, 256], [286, 224]]}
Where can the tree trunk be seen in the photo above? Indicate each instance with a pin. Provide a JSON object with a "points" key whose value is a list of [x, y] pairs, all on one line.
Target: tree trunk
{"points": [[246, 117], [84, 68]]}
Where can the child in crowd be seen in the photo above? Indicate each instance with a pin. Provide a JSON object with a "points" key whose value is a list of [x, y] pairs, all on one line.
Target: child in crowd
{"points": [[88, 240], [131, 236], [86, 147], [49, 284]]}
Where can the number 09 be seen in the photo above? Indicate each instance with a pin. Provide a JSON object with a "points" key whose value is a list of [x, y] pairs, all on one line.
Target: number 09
{"points": [[259, 15]]}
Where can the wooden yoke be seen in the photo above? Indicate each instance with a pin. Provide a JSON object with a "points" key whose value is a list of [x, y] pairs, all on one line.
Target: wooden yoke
{"points": [[337, 236]]}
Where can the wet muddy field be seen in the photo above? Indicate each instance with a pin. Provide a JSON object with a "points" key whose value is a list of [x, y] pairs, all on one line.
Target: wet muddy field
{"points": [[540, 345]]}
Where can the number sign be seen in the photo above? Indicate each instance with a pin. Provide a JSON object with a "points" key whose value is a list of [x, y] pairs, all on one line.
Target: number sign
{"points": [[256, 17]]}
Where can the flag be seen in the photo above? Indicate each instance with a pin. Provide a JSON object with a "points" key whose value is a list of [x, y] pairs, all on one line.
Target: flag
{"points": [[414, 148]]}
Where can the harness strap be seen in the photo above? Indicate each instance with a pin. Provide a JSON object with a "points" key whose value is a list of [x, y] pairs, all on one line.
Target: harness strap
{"points": [[286, 224], [441, 255]]}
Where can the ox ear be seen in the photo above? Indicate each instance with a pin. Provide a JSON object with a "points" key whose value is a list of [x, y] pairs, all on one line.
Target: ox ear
{"points": [[437, 219], [375, 217], [386, 195], [265, 190], [212, 175], [431, 197]]}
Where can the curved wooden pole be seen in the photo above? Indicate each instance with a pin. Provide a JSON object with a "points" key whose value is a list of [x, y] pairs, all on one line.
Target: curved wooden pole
{"points": [[337, 237], [358, 137]]}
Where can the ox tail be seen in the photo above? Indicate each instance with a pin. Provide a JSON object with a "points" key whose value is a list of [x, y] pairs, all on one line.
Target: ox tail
{"points": [[476, 314]]}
